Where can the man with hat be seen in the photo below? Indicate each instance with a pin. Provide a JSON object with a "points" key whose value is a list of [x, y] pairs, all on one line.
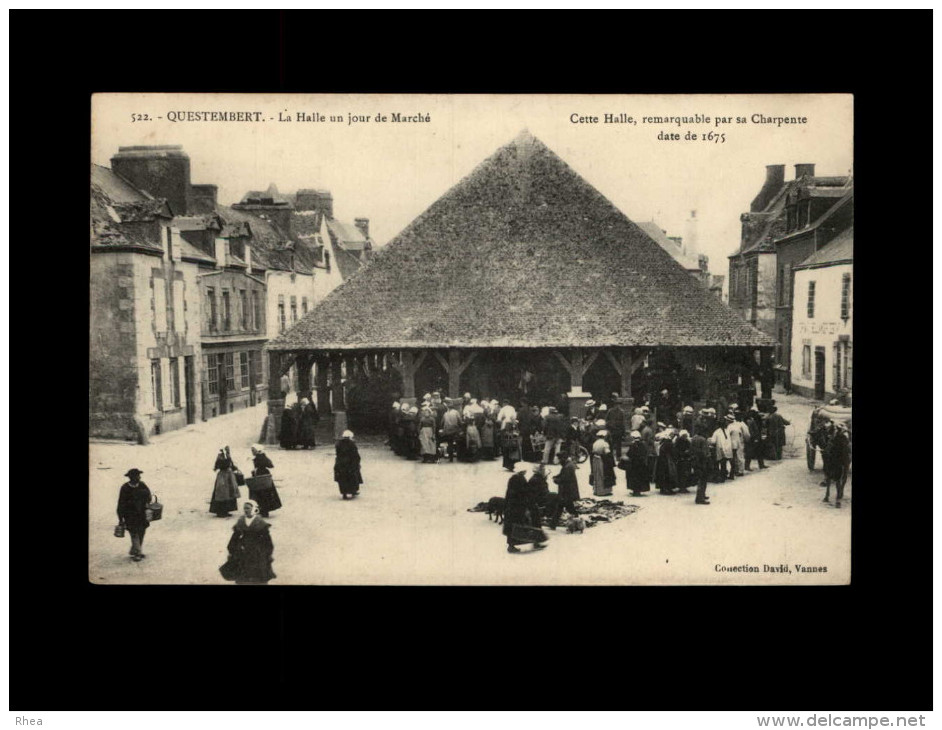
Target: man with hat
{"points": [[132, 505], [617, 426], [776, 428]]}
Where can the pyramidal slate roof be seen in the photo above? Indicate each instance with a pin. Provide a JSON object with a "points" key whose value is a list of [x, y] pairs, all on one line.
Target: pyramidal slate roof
{"points": [[520, 253]]}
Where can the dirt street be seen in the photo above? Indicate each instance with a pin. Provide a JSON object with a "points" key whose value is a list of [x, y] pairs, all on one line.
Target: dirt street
{"points": [[411, 525]]}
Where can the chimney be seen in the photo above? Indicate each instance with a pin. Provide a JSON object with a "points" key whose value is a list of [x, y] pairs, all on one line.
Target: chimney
{"points": [[203, 199], [804, 169], [175, 252], [161, 170], [319, 200], [690, 235], [364, 225], [774, 179], [221, 258]]}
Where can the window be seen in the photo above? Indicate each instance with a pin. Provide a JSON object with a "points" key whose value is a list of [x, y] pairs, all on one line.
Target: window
{"points": [[781, 343], [212, 374], [213, 314], [294, 310], [303, 306], [230, 372], [175, 381], [810, 300], [160, 304], [806, 361], [244, 369], [226, 311], [244, 303], [781, 285], [156, 385], [257, 307], [327, 260], [787, 285], [257, 357], [845, 297], [281, 313]]}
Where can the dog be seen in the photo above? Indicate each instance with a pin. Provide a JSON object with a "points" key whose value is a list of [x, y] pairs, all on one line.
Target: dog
{"points": [[575, 524], [495, 508]]}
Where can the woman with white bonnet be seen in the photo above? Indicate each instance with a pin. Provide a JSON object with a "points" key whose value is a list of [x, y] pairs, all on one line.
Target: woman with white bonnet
{"points": [[347, 466], [250, 549]]}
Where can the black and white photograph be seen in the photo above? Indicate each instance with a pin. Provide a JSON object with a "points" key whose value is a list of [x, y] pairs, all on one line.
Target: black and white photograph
{"points": [[471, 340]]}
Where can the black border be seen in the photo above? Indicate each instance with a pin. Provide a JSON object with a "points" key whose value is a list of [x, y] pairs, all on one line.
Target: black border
{"points": [[77, 646]]}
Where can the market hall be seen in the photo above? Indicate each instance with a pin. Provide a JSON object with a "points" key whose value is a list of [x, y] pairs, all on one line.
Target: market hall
{"points": [[521, 281]]}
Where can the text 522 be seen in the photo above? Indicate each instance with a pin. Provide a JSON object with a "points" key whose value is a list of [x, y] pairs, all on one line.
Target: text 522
{"points": [[140, 117]]}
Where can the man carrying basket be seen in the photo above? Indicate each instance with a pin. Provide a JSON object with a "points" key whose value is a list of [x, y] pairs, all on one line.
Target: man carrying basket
{"points": [[133, 500]]}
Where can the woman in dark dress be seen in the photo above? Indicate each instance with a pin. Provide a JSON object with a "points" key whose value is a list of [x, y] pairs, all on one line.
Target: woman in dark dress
{"points": [[568, 486], [665, 470], [410, 434], [511, 443], [267, 499], [250, 549], [308, 423], [347, 467], [225, 490], [519, 509], [636, 469], [488, 429], [132, 504], [682, 459], [287, 437]]}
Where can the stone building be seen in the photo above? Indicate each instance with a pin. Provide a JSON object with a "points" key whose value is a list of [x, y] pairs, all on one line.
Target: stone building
{"points": [[232, 322], [779, 209], [522, 267], [823, 321], [803, 238], [144, 327]]}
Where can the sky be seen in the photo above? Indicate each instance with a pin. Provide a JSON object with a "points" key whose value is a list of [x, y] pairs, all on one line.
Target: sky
{"points": [[391, 172]]}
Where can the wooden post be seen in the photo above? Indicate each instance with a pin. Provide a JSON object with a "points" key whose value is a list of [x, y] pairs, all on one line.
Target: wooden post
{"points": [[408, 374], [276, 404], [765, 371], [304, 374], [322, 391], [336, 385]]}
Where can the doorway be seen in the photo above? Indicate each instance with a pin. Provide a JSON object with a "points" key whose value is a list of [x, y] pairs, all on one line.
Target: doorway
{"points": [[188, 389], [819, 373]]}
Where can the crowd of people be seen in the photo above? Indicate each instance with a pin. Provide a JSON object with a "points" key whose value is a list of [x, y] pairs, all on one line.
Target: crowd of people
{"points": [[673, 447], [298, 424]]}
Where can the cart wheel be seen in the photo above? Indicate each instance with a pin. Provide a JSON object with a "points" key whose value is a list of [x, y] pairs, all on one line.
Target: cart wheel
{"points": [[809, 453], [582, 455]]}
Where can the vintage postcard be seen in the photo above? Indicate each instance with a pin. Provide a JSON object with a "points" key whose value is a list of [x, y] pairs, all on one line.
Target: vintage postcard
{"points": [[471, 340]]}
